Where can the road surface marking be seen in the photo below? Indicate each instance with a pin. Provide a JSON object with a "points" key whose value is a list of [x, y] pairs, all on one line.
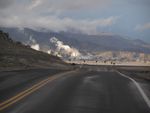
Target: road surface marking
{"points": [[145, 97], [7, 101], [32, 89]]}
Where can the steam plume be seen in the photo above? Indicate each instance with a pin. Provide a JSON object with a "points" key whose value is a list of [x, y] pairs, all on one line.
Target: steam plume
{"points": [[34, 45], [64, 50]]}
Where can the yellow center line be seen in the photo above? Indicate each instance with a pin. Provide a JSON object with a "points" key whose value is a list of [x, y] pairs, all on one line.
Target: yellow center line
{"points": [[21, 97], [7, 101], [25, 93]]}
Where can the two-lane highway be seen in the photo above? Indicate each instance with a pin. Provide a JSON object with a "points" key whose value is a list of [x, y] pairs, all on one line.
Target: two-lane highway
{"points": [[83, 91]]}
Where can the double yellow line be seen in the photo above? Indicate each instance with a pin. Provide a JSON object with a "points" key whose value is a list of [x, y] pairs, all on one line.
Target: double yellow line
{"points": [[27, 92]]}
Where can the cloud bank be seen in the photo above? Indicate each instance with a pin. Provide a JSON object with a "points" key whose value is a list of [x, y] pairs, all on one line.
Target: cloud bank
{"points": [[143, 27], [39, 14], [56, 24], [65, 5], [87, 16]]}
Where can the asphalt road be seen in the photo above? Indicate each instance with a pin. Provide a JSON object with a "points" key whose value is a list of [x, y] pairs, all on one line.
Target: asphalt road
{"points": [[78, 91], [13, 82]]}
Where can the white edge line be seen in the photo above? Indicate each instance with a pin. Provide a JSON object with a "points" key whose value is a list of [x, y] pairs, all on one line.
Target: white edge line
{"points": [[145, 97]]}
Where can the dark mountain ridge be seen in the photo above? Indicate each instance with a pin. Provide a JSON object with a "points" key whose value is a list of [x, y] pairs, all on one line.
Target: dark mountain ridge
{"points": [[83, 42]]}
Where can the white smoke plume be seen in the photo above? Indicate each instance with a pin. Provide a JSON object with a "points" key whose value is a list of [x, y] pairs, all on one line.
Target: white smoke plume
{"points": [[34, 45], [64, 50], [49, 51]]}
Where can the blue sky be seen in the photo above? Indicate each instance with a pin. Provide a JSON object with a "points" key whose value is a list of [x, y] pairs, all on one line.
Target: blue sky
{"points": [[130, 18]]}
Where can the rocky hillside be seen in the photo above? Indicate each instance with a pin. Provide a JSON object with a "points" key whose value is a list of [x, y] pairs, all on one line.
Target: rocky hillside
{"points": [[15, 54]]}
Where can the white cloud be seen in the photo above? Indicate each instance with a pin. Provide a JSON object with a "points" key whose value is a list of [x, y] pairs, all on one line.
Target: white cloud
{"points": [[56, 24], [143, 27], [63, 5], [34, 4], [37, 14]]}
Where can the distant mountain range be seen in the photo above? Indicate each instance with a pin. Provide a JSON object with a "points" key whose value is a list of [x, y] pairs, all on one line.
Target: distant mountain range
{"points": [[83, 42]]}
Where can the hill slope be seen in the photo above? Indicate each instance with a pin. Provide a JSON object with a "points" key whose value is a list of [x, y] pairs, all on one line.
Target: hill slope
{"points": [[15, 54]]}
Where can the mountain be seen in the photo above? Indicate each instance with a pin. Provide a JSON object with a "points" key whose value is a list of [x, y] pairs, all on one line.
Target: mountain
{"points": [[82, 42], [15, 54]]}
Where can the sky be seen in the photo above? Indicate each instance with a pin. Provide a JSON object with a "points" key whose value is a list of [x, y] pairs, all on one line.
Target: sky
{"points": [[129, 18]]}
